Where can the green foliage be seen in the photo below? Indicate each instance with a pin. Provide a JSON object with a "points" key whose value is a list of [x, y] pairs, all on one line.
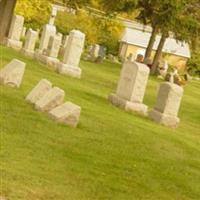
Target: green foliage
{"points": [[36, 12], [104, 31], [194, 64]]}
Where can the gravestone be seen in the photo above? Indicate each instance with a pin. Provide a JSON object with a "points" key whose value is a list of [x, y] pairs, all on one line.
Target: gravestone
{"points": [[15, 31], [50, 100], [70, 64], [167, 105], [94, 53], [67, 113], [47, 31], [23, 33], [39, 91], [30, 42], [54, 45], [12, 73], [131, 87], [49, 56]]}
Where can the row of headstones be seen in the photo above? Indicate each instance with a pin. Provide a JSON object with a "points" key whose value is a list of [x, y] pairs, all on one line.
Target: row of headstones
{"points": [[43, 96], [131, 90], [51, 43]]}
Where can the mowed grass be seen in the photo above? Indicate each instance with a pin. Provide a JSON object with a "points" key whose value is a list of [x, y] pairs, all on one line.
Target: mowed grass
{"points": [[111, 155]]}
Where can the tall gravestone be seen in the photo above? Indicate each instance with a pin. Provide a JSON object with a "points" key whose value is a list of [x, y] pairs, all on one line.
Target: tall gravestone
{"points": [[131, 88], [15, 31], [30, 42], [72, 55], [167, 105]]}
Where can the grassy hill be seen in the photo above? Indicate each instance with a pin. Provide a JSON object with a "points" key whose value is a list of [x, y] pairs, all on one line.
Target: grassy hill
{"points": [[112, 155]]}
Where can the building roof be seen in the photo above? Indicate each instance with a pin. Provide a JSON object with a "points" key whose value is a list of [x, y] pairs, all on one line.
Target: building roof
{"points": [[141, 38]]}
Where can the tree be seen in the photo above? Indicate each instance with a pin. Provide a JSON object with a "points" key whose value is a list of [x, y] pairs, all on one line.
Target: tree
{"points": [[181, 21], [35, 12], [6, 13]]}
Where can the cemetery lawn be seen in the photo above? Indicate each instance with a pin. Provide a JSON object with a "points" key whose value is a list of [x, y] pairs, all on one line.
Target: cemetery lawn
{"points": [[111, 155]]}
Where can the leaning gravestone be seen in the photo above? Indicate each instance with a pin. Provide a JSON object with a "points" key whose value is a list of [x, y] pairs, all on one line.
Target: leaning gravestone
{"points": [[15, 31], [131, 88], [167, 105], [12, 73], [29, 46], [67, 113], [70, 64], [50, 100], [39, 91]]}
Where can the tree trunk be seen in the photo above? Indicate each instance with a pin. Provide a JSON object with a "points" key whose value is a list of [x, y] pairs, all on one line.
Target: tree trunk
{"points": [[150, 44], [6, 13], [158, 54]]}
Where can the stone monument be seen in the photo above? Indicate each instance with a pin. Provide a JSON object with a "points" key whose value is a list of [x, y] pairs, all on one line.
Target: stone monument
{"points": [[131, 88], [30, 42], [167, 105], [15, 31], [70, 64]]}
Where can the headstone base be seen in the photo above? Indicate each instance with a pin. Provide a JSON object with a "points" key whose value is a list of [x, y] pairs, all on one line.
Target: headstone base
{"points": [[27, 52], [69, 70], [128, 105], [50, 61], [15, 44], [166, 120]]}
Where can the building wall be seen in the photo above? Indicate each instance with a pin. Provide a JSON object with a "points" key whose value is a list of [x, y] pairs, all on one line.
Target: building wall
{"points": [[177, 61]]}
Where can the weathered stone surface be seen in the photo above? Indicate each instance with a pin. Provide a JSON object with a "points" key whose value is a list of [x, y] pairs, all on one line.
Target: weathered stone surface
{"points": [[47, 32], [54, 45], [50, 100], [30, 42], [72, 55], [128, 105], [131, 87], [15, 31], [167, 104], [39, 91], [16, 27], [67, 113], [133, 81], [12, 73]]}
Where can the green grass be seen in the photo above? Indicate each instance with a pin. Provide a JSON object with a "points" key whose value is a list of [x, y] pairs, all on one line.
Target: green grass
{"points": [[111, 155]]}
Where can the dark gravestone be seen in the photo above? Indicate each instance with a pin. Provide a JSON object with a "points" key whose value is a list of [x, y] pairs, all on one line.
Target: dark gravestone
{"points": [[6, 13]]}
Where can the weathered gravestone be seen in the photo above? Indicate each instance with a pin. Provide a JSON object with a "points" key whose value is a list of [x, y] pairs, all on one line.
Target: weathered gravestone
{"points": [[15, 31], [12, 73], [50, 100], [50, 55], [67, 113], [131, 88], [30, 42], [39, 91], [72, 55], [167, 105]]}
